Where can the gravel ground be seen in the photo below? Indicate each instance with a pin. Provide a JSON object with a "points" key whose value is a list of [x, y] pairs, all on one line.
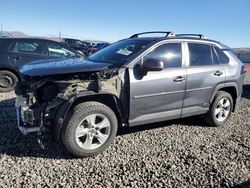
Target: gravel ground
{"points": [[180, 153]]}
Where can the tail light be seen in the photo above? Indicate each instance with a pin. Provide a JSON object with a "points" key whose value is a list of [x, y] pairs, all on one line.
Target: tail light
{"points": [[243, 69]]}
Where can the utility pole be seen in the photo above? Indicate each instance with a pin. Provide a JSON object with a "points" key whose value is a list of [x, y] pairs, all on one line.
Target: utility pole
{"points": [[60, 39]]}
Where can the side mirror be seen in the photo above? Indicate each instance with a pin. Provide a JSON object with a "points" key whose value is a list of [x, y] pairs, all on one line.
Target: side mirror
{"points": [[152, 65]]}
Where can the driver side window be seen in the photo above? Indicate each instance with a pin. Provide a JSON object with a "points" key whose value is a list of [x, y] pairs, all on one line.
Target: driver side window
{"points": [[170, 54], [56, 50]]}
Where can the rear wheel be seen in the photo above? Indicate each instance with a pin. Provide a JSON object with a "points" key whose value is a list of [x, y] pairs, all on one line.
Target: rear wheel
{"points": [[8, 81], [220, 109], [89, 129]]}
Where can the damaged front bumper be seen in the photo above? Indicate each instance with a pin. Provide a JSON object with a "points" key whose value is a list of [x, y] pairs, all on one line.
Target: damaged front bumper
{"points": [[28, 120]]}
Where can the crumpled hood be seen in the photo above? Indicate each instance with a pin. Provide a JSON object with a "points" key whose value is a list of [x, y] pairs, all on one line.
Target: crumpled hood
{"points": [[61, 66]]}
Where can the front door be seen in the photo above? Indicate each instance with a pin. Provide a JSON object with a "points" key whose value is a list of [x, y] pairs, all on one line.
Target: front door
{"points": [[159, 95]]}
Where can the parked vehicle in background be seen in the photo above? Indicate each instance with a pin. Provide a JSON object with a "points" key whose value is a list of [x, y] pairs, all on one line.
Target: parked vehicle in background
{"points": [[132, 82], [97, 48], [77, 45], [89, 44], [15, 52], [92, 43]]}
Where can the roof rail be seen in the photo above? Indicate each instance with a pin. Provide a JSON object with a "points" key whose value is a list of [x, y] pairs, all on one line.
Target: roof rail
{"points": [[168, 33], [201, 36]]}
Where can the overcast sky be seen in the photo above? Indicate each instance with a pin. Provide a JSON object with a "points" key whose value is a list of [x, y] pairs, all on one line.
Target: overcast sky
{"points": [[227, 21]]}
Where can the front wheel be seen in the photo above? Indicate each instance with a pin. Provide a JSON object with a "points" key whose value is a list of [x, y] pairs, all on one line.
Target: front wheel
{"points": [[90, 53], [220, 109], [89, 129]]}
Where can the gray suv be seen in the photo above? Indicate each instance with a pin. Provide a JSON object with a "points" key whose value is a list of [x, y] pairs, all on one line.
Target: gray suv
{"points": [[132, 82]]}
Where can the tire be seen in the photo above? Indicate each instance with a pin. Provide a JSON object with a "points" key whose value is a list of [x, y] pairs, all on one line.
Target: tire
{"points": [[220, 110], [8, 81], [82, 54], [85, 54], [90, 53], [82, 134]]}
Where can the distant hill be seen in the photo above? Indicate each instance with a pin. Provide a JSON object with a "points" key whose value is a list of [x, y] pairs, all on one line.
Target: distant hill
{"points": [[243, 54], [241, 50], [19, 34]]}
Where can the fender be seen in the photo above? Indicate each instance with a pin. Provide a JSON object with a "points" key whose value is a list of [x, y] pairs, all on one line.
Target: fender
{"points": [[11, 69], [60, 116], [226, 87], [221, 86], [64, 108]]}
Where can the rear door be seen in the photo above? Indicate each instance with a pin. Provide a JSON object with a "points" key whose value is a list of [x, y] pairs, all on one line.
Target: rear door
{"points": [[5, 44], [158, 95], [204, 73], [24, 51]]}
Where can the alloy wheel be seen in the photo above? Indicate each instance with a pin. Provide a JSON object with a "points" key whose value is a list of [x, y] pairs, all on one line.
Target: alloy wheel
{"points": [[93, 131], [6, 81], [222, 109]]}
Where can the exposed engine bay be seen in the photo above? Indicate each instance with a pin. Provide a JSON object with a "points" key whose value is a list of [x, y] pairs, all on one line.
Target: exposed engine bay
{"points": [[38, 98]]}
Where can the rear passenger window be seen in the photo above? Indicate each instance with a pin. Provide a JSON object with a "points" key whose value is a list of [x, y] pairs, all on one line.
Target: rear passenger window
{"points": [[221, 55], [170, 54], [215, 57], [200, 54], [29, 47]]}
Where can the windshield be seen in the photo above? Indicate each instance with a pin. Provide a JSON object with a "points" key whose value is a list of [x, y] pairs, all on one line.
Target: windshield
{"points": [[79, 43], [119, 52]]}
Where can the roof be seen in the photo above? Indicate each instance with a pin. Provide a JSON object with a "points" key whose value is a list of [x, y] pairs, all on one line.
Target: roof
{"points": [[26, 38], [169, 35], [4, 34], [155, 39]]}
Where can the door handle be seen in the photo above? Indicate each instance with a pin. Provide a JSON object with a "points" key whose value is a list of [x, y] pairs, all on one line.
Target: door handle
{"points": [[15, 57], [218, 73], [179, 79]]}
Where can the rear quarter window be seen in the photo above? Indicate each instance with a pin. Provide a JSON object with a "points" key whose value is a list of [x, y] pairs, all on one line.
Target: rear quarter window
{"points": [[223, 59]]}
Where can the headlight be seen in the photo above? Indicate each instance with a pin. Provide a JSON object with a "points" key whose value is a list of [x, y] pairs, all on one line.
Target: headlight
{"points": [[33, 100]]}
